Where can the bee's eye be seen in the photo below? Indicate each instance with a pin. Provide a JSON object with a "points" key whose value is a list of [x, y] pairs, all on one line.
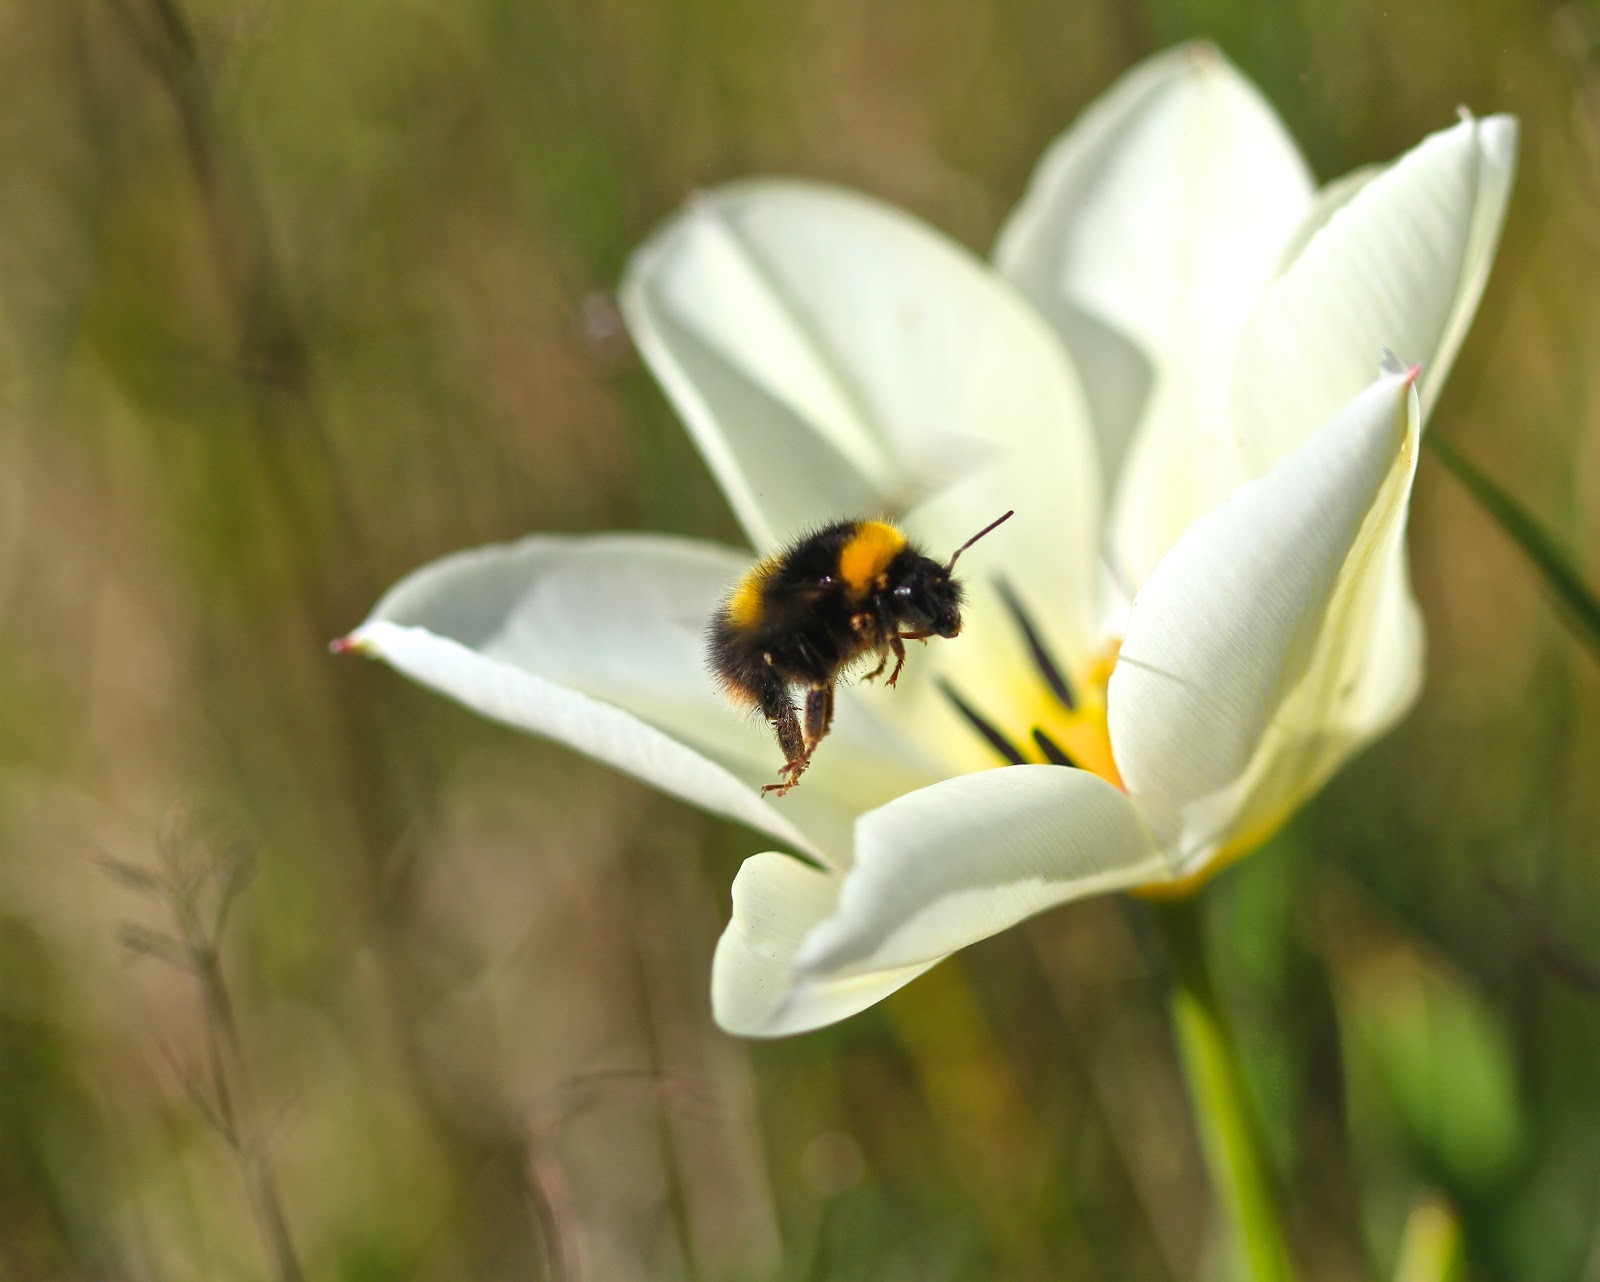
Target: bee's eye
{"points": [[826, 581], [903, 590]]}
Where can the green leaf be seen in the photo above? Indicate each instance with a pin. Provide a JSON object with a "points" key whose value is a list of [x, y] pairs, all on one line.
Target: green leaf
{"points": [[1431, 1071], [1580, 604]]}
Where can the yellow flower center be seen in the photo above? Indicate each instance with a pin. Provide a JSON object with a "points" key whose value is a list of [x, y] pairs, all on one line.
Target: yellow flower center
{"points": [[1053, 715], [1054, 718], [1079, 731], [1078, 734]]}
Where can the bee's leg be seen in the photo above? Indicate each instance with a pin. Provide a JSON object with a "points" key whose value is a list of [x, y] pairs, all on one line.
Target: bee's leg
{"points": [[819, 714], [796, 755], [872, 626], [781, 716], [897, 642], [878, 628], [898, 649]]}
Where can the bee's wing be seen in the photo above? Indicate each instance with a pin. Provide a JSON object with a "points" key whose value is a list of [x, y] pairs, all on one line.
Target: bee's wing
{"points": [[794, 601]]}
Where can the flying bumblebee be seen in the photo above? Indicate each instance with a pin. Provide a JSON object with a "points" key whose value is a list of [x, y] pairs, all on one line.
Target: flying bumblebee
{"points": [[804, 615]]}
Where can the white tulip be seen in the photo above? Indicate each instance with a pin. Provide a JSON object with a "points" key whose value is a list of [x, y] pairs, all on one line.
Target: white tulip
{"points": [[1171, 373]]}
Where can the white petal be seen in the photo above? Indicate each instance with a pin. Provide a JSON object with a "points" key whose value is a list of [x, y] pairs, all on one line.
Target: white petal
{"points": [[1379, 680], [938, 869], [1402, 264], [1329, 200], [1239, 645], [1147, 235], [597, 642], [831, 356], [600, 730], [754, 990]]}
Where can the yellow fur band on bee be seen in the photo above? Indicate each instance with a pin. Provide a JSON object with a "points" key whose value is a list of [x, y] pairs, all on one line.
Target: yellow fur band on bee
{"points": [[867, 553]]}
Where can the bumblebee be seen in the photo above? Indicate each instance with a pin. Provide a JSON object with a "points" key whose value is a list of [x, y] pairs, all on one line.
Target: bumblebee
{"points": [[803, 616]]}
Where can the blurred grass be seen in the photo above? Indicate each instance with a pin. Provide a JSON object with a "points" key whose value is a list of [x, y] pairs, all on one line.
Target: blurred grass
{"points": [[294, 297]]}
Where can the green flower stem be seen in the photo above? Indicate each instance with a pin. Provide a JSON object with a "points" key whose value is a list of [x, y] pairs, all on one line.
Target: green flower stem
{"points": [[1229, 1135], [1431, 1249]]}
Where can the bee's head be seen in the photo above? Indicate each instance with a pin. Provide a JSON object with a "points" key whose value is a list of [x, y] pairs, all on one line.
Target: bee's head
{"points": [[928, 599]]}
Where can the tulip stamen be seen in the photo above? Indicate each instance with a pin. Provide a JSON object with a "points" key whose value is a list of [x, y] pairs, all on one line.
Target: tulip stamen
{"points": [[1053, 751], [1053, 677], [1008, 750]]}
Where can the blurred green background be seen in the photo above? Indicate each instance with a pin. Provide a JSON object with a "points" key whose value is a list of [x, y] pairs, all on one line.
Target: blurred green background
{"points": [[295, 296]]}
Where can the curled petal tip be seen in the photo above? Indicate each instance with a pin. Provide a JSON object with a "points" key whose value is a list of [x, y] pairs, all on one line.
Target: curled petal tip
{"points": [[1202, 53], [344, 645], [1391, 365]]}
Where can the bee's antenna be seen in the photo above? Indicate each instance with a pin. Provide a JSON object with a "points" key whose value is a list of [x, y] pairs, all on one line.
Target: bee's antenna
{"points": [[951, 563]]}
